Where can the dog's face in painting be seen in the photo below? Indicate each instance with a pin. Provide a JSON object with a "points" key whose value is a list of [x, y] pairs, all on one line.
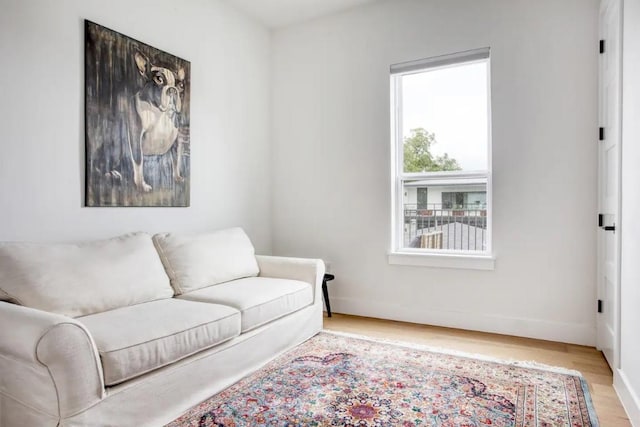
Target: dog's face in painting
{"points": [[164, 88]]}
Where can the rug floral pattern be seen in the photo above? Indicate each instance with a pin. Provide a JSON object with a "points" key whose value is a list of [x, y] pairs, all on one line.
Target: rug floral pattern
{"points": [[333, 380]]}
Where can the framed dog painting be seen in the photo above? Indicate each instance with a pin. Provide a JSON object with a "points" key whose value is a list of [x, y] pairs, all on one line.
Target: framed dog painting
{"points": [[136, 122]]}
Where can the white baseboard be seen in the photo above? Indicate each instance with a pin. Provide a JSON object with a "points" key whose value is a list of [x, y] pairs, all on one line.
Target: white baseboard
{"points": [[574, 333], [628, 397]]}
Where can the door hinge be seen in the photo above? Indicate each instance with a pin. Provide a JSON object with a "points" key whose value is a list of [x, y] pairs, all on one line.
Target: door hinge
{"points": [[599, 306], [600, 220], [601, 46], [601, 134]]}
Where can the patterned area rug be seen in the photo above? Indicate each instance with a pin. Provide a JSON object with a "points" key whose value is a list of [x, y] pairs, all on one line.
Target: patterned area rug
{"points": [[337, 380]]}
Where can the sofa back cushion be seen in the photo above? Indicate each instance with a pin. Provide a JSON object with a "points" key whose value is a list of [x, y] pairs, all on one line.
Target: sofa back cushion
{"points": [[76, 279], [195, 261]]}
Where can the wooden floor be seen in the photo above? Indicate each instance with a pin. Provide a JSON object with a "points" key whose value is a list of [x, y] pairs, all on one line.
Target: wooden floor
{"points": [[587, 360]]}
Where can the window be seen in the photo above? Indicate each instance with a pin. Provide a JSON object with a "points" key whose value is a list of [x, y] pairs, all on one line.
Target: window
{"points": [[441, 155], [463, 200]]}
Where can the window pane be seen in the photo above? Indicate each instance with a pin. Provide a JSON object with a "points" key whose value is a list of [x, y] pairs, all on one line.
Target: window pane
{"points": [[445, 118], [453, 216]]}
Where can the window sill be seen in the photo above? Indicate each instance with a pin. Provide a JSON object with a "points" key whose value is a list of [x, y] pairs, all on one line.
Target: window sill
{"points": [[461, 261]]}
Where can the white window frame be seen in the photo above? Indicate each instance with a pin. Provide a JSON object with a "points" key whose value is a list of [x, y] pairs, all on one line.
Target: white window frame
{"points": [[399, 255]]}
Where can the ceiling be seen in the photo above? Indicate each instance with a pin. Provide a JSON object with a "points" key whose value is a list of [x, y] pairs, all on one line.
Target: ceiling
{"points": [[280, 13]]}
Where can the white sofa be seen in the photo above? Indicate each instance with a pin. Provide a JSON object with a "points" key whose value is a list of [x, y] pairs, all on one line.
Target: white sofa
{"points": [[135, 330]]}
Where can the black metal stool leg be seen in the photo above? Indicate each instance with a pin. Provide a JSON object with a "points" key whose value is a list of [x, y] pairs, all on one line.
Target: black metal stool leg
{"points": [[325, 292]]}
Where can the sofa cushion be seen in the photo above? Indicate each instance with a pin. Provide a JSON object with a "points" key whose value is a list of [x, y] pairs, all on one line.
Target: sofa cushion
{"points": [[138, 339], [195, 261], [259, 299], [76, 279]]}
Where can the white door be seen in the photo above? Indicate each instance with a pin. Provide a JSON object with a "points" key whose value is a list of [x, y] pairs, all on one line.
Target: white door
{"points": [[608, 180]]}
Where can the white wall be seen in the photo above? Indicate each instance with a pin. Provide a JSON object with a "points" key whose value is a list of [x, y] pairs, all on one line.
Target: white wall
{"points": [[42, 117], [331, 180], [627, 377]]}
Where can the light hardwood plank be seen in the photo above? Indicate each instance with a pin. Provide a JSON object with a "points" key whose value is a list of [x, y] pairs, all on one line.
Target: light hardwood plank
{"points": [[587, 360]]}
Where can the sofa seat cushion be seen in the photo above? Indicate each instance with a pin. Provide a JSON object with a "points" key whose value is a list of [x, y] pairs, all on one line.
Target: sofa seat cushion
{"points": [[138, 339], [259, 299], [77, 279]]}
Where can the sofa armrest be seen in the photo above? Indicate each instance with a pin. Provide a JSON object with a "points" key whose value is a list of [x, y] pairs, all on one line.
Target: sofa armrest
{"points": [[48, 362], [304, 269]]}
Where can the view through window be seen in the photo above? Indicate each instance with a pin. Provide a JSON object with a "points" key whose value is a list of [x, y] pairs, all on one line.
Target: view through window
{"points": [[442, 171]]}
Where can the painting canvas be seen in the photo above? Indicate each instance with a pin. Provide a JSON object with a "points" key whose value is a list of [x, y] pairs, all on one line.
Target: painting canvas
{"points": [[136, 122]]}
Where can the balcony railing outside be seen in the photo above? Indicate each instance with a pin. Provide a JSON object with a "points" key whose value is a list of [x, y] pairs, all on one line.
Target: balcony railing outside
{"points": [[449, 227]]}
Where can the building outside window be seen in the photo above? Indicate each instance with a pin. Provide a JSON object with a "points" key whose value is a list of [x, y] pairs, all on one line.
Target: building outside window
{"points": [[441, 154]]}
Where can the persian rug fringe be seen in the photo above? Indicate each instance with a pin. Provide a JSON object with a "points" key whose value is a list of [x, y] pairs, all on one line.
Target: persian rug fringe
{"points": [[424, 347]]}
